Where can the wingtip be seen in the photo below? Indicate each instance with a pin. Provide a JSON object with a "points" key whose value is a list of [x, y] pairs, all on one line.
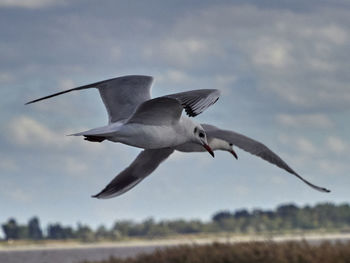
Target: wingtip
{"points": [[95, 196], [36, 100], [327, 190], [322, 189], [100, 195]]}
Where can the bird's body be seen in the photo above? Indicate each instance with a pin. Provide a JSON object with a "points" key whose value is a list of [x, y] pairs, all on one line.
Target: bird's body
{"points": [[147, 136]]}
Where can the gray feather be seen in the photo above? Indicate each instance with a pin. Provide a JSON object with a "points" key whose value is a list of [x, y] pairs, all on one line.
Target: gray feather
{"points": [[144, 164], [256, 148]]}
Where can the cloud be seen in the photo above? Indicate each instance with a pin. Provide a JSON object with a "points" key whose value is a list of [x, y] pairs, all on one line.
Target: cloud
{"points": [[291, 57], [294, 57], [28, 3], [116, 52], [305, 146], [270, 52], [182, 51], [15, 193], [325, 148], [336, 144], [225, 83], [66, 84], [301, 144], [174, 76], [7, 164], [332, 167], [335, 34], [25, 131], [75, 167], [307, 64], [332, 33], [5, 77], [305, 120]]}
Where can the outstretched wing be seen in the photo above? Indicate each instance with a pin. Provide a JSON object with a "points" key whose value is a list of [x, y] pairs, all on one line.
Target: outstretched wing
{"points": [[256, 148], [158, 111], [196, 101], [167, 110], [144, 164], [121, 95]]}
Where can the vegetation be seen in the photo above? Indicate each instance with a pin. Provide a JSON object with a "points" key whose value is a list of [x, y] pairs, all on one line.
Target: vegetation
{"points": [[258, 252], [286, 218]]}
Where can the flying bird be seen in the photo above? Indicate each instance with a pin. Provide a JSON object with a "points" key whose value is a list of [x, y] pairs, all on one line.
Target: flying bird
{"points": [[137, 120], [157, 126], [148, 160]]}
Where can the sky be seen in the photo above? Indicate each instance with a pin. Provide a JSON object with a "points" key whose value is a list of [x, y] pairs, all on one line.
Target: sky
{"points": [[282, 68]]}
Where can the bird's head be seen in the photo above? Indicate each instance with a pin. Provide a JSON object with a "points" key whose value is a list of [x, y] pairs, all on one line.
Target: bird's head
{"points": [[218, 144], [201, 137]]}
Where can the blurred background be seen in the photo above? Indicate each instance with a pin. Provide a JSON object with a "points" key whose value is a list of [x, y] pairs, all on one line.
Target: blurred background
{"points": [[282, 67]]}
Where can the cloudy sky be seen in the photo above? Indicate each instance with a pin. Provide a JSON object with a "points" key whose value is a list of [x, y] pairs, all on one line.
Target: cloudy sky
{"points": [[282, 67]]}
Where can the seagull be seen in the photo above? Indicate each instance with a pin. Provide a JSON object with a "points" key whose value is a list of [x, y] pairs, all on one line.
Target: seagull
{"points": [[148, 160], [137, 120], [157, 126]]}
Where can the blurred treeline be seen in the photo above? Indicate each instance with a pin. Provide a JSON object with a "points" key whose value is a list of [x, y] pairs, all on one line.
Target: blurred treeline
{"points": [[285, 218]]}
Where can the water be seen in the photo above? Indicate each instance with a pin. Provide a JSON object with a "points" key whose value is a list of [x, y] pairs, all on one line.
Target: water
{"points": [[73, 255]]}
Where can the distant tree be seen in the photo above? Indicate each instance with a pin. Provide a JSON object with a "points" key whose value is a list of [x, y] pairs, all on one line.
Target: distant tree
{"points": [[147, 227], [103, 233], [23, 232], [289, 210], [34, 229], [161, 229], [243, 213], [56, 231], [221, 216], [11, 229], [185, 227], [84, 233], [123, 227]]}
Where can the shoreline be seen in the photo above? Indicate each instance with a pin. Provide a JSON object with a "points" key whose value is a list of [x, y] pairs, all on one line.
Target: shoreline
{"points": [[190, 240]]}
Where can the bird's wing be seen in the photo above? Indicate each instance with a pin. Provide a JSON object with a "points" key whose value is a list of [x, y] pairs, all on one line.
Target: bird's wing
{"points": [[167, 110], [158, 111], [144, 164], [121, 95], [196, 101], [256, 148]]}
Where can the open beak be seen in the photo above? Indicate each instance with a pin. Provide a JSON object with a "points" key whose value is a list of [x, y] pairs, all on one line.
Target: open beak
{"points": [[234, 154], [207, 147]]}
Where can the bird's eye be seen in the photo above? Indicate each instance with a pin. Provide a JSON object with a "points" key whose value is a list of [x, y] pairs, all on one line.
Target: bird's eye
{"points": [[201, 134], [231, 144], [195, 130]]}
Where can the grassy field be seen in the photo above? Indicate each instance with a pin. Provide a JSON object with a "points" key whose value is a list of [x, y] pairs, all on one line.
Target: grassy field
{"points": [[251, 252]]}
